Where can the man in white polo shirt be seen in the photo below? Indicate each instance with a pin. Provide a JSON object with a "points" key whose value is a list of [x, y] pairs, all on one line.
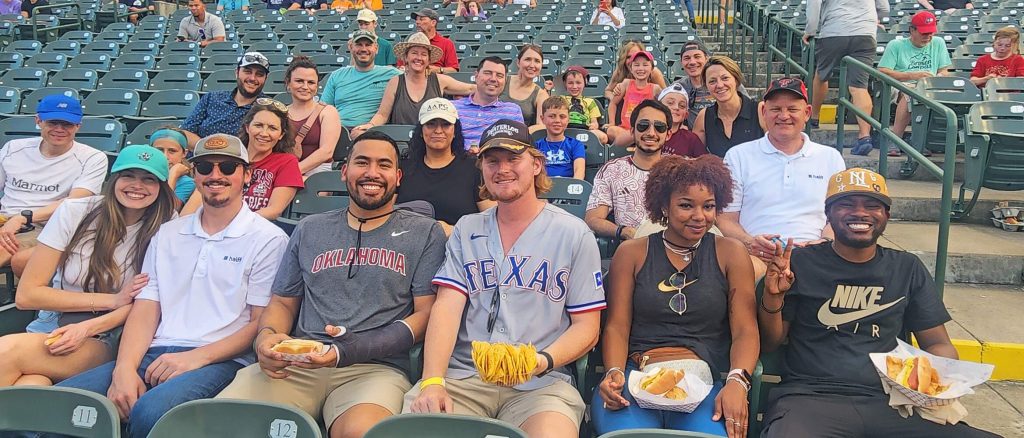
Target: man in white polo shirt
{"points": [[37, 173], [191, 327], [780, 180]]}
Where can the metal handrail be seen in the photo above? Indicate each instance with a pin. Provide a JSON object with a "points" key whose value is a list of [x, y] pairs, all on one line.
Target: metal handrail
{"points": [[805, 67], [881, 125], [35, 13]]}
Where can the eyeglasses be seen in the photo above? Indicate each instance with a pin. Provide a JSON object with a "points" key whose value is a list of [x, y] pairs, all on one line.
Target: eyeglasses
{"points": [[644, 124], [678, 301], [492, 317], [266, 101], [226, 167]]}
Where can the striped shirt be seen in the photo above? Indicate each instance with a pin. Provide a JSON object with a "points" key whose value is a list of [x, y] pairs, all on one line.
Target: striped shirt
{"points": [[475, 118]]}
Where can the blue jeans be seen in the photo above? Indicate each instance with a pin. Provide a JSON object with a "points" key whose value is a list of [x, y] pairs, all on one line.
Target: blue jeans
{"points": [[689, 7], [200, 383], [635, 417]]}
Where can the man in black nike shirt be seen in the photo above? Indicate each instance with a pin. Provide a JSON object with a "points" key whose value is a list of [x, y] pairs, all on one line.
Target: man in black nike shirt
{"points": [[838, 301]]}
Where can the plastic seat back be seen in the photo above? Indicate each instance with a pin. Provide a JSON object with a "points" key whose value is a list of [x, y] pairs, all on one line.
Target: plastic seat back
{"points": [[220, 80], [30, 101], [129, 78], [94, 61], [177, 80], [569, 194], [176, 104], [66, 411], [112, 102], [447, 425], [102, 133], [324, 191], [24, 78], [179, 61], [48, 61], [1011, 89], [10, 100]]}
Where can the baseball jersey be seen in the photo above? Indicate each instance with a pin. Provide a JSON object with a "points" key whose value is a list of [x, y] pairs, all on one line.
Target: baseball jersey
{"points": [[553, 270]]}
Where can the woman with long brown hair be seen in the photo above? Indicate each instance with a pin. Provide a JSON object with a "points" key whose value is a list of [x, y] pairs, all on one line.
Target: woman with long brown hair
{"points": [[86, 268]]}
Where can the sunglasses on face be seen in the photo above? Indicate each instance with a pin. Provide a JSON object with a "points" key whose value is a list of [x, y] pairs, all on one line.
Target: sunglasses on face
{"points": [[266, 101], [227, 168], [644, 124]]}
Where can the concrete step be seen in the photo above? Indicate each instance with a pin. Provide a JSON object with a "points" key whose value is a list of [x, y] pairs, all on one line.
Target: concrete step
{"points": [[920, 201], [826, 135], [980, 254]]}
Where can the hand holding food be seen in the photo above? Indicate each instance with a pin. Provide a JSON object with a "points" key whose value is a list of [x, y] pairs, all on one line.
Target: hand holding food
{"points": [[664, 383], [915, 373], [298, 346]]}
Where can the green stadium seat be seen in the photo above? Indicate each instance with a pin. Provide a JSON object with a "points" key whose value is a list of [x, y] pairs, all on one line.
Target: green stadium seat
{"points": [[112, 102], [153, 36], [9, 60], [656, 433], [311, 48], [994, 151], [237, 16], [140, 61], [109, 47], [102, 133], [443, 425], [82, 36], [16, 127], [169, 104], [282, 59], [48, 61], [10, 100], [178, 79], [293, 38], [504, 50], [927, 126], [210, 418], [256, 37], [220, 80], [222, 48], [113, 36], [25, 47], [125, 27], [255, 26], [328, 62], [214, 63], [66, 411], [77, 78], [140, 133], [142, 47], [267, 48], [67, 47], [324, 191], [180, 48], [570, 195], [286, 27], [398, 133], [24, 78], [31, 100], [275, 82], [1007, 89], [129, 78], [179, 62]]}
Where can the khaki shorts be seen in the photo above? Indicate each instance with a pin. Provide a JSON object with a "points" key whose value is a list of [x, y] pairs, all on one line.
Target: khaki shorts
{"points": [[323, 393], [474, 397]]}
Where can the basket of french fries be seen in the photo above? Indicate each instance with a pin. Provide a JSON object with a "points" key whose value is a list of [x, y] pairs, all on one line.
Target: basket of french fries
{"points": [[667, 389], [926, 379], [504, 364]]}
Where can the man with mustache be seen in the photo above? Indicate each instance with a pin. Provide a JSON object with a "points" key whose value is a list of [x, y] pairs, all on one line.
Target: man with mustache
{"points": [[221, 112], [370, 254], [192, 326], [356, 90], [779, 180], [619, 185], [480, 109], [838, 302]]}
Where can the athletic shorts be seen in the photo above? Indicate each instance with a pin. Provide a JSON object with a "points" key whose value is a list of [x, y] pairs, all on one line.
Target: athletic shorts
{"points": [[323, 393], [474, 397], [829, 53]]}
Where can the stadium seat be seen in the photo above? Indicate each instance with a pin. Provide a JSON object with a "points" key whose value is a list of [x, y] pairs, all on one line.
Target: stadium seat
{"points": [[656, 433], [31, 100], [112, 102], [569, 194], [214, 418], [311, 48], [1007, 89], [143, 47], [102, 133], [179, 62], [281, 59], [398, 133], [67, 47], [180, 48], [94, 61], [328, 62], [927, 126], [221, 48], [992, 159], [267, 47], [137, 61], [120, 37], [140, 133], [178, 79], [82, 36], [275, 82], [10, 100], [169, 104], [443, 425], [18, 127], [108, 47], [25, 47], [48, 61], [9, 60], [324, 191], [220, 80], [125, 27], [65, 411], [129, 78], [77, 78], [296, 37], [24, 78], [153, 36]]}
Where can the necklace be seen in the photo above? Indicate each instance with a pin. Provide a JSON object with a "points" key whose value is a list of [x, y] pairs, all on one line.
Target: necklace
{"points": [[686, 252]]}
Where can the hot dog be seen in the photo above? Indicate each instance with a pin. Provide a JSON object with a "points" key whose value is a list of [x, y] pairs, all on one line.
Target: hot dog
{"points": [[915, 373], [663, 382], [298, 346]]}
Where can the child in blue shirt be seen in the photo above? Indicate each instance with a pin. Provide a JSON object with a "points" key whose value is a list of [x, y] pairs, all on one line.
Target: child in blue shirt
{"points": [[565, 156]]}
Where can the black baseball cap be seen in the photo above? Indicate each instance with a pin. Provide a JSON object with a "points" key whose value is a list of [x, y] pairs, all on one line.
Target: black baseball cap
{"points": [[426, 12], [506, 134], [792, 85], [693, 45]]}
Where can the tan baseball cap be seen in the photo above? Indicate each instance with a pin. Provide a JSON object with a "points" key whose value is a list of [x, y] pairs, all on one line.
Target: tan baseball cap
{"points": [[366, 15], [857, 181], [220, 144], [438, 108]]}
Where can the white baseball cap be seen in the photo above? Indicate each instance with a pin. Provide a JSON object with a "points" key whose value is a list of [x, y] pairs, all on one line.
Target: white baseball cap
{"points": [[438, 108], [366, 15]]}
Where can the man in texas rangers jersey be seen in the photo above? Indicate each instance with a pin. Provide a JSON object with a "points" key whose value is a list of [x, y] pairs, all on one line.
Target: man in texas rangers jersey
{"points": [[521, 272], [839, 301], [367, 268]]}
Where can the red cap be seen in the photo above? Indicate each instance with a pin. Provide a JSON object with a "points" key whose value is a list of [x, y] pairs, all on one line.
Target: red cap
{"points": [[924, 22]]}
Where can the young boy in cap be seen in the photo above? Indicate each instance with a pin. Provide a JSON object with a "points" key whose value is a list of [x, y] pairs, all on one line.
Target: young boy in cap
{"points": [[584, 112]]}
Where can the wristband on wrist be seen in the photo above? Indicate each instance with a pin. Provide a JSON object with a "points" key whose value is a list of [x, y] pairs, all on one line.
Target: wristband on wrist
{"points": [[737, 379], [615, 369], [770, 311], [256, 339], [432, 381], [551, 363], [618, 232]]}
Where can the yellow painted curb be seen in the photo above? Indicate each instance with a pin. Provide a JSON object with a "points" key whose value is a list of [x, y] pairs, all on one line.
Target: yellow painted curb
{"points": [[827, 115], [1008, 359], [969, 350]]}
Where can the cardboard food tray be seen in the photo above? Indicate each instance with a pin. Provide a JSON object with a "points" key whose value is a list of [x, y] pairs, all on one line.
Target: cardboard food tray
{"points": [[960, 375], [696, 392], [304, 358]]}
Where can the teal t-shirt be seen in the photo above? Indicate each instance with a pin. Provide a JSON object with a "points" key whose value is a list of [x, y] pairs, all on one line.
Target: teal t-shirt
{"points": [[357, 94], [385, 53], [184, 187], [902, 56]]}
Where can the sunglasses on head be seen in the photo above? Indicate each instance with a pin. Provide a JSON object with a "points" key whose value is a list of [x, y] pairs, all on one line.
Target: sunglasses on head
{"points": [[266, 101], [256, 58], [644, 124], [226, 167]]}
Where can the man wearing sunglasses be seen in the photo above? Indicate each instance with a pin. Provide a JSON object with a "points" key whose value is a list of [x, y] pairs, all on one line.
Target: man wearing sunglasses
{"points": [[779, 180], [619, 185], [191, 328], [370, 254], [522, 272], [221, 112]]}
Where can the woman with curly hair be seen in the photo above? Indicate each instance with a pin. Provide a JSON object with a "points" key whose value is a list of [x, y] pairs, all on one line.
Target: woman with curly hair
{"points": [[681, 299]]}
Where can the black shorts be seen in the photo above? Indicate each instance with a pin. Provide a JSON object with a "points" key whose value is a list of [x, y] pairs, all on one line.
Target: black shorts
{"points": [[829, 52], [824, 416]]}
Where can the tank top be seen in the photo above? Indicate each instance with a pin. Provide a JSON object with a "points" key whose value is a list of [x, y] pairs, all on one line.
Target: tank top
{"points": [[528, 105], [746, 127], [406, 111], [311, 142], [632, 99], [704, 326]]}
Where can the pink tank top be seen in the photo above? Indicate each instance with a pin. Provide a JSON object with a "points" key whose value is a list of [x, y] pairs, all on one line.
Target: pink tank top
{"points": [[632, 99]]}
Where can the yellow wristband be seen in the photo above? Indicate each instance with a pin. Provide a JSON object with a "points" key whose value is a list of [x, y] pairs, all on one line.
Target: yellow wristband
{"points": [[432, 381]]}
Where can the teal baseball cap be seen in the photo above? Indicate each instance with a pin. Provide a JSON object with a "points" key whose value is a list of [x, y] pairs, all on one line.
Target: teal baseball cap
{"points": [[140, 156]]}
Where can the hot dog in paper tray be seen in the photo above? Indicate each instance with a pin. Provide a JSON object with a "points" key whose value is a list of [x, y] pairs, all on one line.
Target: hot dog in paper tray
{"points": [[667, 389], [927, 379]]}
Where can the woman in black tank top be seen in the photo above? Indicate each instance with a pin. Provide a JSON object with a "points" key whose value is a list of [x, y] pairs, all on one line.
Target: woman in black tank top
{"points": [[683, 299], [734, 118]]}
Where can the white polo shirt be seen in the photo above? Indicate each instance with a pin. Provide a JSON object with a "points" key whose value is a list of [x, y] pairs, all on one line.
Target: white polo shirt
{"points": [[782, 194], [205, 284]]}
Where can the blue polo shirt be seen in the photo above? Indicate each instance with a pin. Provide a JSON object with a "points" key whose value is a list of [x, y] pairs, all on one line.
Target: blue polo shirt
{"points": [[216, 113], [475, 118]]}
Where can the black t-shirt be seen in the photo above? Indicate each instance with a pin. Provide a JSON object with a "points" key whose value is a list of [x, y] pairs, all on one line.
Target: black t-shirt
{"points": [[27, 6], [942, 5], [453, 190], [840, 311]]}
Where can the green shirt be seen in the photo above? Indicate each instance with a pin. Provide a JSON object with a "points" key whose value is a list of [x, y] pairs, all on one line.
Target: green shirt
{"points": [[901, 55], [385, 53]]}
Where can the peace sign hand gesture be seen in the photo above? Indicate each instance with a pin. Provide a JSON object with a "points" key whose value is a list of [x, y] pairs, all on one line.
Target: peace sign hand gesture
{"points": [[779, 277]]}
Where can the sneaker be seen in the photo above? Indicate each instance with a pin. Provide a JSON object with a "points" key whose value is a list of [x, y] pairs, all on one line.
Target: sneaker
{"points": [[863, 146], [814, 123]]}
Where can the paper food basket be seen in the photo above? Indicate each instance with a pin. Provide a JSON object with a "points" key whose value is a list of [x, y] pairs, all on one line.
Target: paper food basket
{"points": [[696, 392], [960, 375]]}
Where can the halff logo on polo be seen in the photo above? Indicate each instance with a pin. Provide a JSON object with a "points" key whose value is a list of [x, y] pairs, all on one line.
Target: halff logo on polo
{"points": [[855, 303]]}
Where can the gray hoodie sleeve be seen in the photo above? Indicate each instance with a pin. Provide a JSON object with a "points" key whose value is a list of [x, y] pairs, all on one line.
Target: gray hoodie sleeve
{"points": [[882, 8], [814, 15]]}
